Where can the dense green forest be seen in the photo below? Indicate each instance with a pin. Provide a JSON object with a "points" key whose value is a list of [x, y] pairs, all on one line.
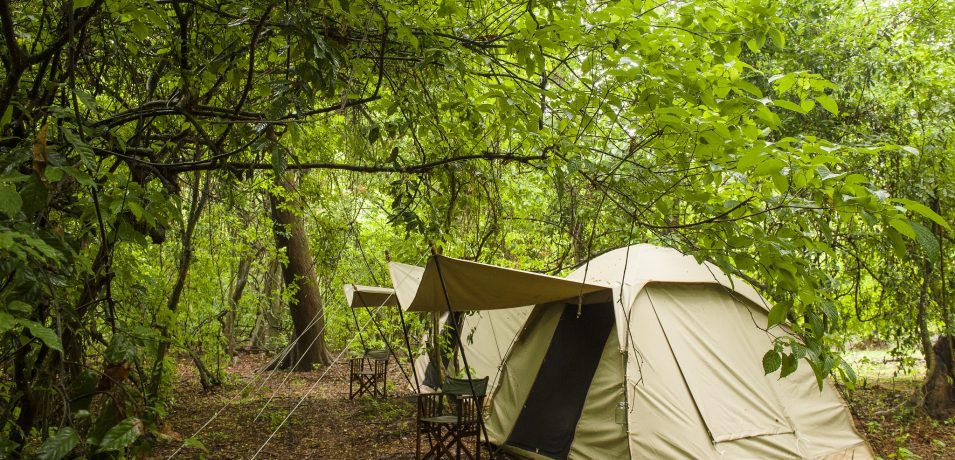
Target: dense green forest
{"points": [[190, 180]]}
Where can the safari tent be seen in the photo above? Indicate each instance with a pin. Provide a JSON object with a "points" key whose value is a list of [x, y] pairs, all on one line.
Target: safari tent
{"points": [[641, 353]]}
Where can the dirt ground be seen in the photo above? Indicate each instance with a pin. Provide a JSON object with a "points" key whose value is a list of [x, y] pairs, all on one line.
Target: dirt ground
{"points": [[327, 425]]}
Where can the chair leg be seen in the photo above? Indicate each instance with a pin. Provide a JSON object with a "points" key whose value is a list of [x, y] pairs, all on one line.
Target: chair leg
{"points": [[457, 446], [417, 444]]}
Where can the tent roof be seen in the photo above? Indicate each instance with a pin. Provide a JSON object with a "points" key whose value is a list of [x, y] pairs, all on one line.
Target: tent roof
{"points": [[477, 286], [369, 296], [642, 264]]}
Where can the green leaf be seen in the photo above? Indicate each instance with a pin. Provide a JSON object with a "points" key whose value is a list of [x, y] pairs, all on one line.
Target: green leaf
{"points": [[45, 334], [10, 201], [59, 445], [194, 443], [848, 374], [770, 166], [828, 103], [121, 349], [80, 176], [121, 435], [923, 210], [279, 161], [767, 116], [87, 99], [82, 148], [807, 105], [927, 240], [789, 365], [7, 115], [782, 103], [777, 314], [771, 361], [749, 159], [6, 322], [18, 306], [903, 227], [748, 87]]}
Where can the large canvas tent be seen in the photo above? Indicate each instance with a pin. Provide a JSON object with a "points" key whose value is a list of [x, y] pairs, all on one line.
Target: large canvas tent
{"points": [[641, 353]]}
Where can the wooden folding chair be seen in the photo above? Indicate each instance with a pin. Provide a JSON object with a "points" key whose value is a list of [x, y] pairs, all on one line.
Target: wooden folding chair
{"points": [[449, 418], [369, 375]]}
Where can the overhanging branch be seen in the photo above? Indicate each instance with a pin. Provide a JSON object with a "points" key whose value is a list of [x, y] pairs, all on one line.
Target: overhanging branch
{"points": [[176, 168]]}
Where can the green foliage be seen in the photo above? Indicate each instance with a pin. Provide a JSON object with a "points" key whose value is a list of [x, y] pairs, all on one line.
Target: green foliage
{"points": [[803, 146], [121, 435], [59, 445]]}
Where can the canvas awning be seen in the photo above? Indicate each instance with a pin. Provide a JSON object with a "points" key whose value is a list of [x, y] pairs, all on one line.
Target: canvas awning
{"points": [[477, 286], [359, 296], [405, 279]]}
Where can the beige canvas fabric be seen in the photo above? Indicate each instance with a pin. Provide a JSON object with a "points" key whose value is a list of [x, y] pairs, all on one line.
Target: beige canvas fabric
{"points": [[598, 435], [487, 337], [718, 347], [405, 279], [477, 286], [369, 296], [518, 372], [724, 402]]}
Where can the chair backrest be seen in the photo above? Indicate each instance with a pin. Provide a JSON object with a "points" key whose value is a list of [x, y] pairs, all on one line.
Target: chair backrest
{"points": [[475, 387]]}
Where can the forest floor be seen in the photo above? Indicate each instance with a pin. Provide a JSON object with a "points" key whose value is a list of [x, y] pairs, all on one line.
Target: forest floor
{"points": [[327, 425], [884, 383]]}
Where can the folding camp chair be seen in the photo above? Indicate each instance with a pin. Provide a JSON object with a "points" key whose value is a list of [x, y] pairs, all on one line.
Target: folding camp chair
{"points": [[449, 418], [369, 374]]}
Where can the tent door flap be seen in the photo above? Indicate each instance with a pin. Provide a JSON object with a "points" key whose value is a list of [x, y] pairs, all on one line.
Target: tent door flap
{"points": [[548, 420]]}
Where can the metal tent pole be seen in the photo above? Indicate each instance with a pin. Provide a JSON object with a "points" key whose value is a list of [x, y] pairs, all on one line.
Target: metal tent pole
{"points": [[457, 334]]}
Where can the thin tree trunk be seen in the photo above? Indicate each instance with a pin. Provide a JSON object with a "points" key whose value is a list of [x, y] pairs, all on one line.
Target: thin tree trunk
{"points": [[306, 307], [268, 323], [235, 294], [199, 199]]}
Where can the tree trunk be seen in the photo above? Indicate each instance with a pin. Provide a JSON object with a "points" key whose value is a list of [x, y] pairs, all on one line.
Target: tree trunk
{"points": [[938, 387], [235, 293], [306, 307], [939, 402], [199, 199], [268, 322]]}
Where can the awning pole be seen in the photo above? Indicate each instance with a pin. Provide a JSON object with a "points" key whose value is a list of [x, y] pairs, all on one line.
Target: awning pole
{"points": [[384, 339], [457, 334], [374, 278], [404, 333]]}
